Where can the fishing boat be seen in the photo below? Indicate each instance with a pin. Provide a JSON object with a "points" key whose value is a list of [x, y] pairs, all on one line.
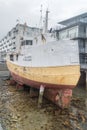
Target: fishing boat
{"points": [[48, 64]]}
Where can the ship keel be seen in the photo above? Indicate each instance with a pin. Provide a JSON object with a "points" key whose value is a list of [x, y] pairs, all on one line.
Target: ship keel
{"points": [[60, 97]]}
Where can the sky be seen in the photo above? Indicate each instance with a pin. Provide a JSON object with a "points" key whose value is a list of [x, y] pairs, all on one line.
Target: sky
{"points": [[29, 11]]}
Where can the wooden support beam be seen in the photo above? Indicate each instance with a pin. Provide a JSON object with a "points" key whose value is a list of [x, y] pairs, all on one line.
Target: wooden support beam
{"points": [[86, 80], [41, 93], [19, 86], [86, 100]]}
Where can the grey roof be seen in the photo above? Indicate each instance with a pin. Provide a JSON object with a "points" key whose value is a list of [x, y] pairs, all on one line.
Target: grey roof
{"points": [[72, 25], [74, 19]]}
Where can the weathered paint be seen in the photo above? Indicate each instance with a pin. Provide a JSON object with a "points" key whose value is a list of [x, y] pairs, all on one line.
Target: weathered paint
{"points": [[56, 77], [60, 97]]}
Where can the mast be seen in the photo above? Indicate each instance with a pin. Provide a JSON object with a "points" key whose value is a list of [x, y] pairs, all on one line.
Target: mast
{"points": [[46, 21], [41, 17]]}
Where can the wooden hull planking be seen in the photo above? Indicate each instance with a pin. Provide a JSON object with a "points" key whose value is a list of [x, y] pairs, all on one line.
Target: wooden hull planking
{"points": [[56, 77]]}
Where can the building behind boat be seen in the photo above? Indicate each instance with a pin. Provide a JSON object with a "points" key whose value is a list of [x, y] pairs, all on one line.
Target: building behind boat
{"points": [[75, 28], [11, 42]]}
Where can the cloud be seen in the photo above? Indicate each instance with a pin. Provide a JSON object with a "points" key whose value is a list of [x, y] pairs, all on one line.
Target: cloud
{"points": [[29, 11]]}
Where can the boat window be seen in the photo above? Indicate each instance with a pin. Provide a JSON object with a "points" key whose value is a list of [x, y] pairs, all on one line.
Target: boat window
{"points": [[29, 42], [11, 57]]}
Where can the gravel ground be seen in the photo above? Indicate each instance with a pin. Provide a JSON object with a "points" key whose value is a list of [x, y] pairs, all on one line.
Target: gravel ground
{"points": [[20, 112]]}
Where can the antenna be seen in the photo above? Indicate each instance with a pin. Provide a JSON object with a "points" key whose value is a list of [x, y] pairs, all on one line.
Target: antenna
{"points": [[41, 17]]}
